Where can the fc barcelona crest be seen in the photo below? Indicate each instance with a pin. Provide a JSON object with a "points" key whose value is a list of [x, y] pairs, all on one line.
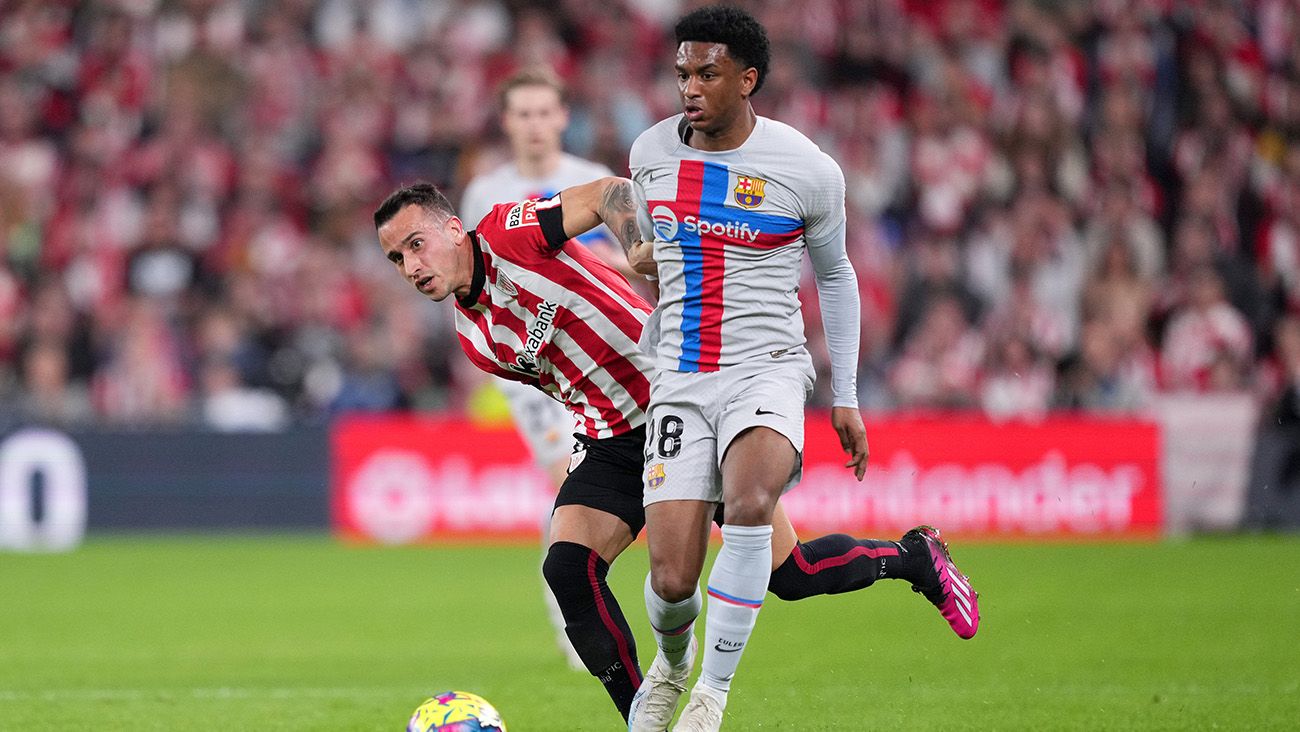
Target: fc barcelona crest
{"points": [[749, 191]]}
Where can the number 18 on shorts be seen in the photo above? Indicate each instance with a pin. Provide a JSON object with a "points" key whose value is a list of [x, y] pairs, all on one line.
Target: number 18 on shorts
{"points": [[695, 416]]}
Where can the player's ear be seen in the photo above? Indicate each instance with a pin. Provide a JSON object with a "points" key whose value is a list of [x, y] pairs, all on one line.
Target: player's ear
{"points": [[748, 80], [454, 227]]}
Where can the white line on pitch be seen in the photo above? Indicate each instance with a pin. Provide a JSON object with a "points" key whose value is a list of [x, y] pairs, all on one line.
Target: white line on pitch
{"points": [[220, 692]]}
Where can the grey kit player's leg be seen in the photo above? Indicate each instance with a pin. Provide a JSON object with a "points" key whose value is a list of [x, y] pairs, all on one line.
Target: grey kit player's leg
{"points": [[756, 468], [677, 545]]}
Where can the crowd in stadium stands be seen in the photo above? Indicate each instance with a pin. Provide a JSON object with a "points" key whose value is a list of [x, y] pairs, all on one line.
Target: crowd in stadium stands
{"points": [[1076, 204]]}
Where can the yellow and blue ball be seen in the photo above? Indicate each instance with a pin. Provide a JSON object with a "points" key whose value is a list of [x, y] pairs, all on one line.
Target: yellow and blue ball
{"points": [[455, 711]]}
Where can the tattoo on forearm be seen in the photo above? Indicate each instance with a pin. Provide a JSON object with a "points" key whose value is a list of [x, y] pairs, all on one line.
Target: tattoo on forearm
{"points": [[618, 211]]}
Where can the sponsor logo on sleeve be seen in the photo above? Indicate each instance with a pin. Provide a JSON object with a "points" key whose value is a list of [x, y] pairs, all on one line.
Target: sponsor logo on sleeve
{"points": [[522, 214]]}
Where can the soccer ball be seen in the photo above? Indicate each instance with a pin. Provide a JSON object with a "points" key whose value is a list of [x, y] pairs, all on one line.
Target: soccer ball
{"points": [[455, 711]]}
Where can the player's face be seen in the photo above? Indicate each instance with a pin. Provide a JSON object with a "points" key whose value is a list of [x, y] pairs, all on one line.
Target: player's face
{"points": [[714, 86], [534, 120], [429, 251]]}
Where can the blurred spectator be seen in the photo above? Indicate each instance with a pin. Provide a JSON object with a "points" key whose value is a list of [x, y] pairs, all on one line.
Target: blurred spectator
{"points": [[940, 362], [49, 395], [1280, 371], [1208, 344], [142, 379], [1118, 293], [1279, 245], [367, 383], [1016, 381], [1197, 247], [934, 274], [1104, 375], [229, 405]]}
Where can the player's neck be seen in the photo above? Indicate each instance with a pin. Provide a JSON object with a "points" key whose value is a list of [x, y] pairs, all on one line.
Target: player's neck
{"points": [[540, 166], [729, 137], [473, 270]]}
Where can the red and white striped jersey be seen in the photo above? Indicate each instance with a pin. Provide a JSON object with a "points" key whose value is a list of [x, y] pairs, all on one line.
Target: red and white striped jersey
{"points": [[547, 312]]}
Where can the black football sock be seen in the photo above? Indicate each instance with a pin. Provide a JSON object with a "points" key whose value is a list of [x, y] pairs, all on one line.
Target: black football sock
{"points": [[593, 620], [838, 563]]}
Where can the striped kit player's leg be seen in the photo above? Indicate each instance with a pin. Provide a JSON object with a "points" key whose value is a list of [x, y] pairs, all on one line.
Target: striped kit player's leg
{"points": [[598, 513]]}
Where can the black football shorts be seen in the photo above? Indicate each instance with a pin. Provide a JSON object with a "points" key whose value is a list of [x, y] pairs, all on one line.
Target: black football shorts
{"points": [[606, 475]]}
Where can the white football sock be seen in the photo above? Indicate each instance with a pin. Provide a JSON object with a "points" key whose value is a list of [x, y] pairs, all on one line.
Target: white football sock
{"points": [[672, 622], [737, 586]]}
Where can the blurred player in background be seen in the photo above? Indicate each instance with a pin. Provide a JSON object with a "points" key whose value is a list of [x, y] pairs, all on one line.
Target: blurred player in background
{"points": [[534, 117], [733, 200]]}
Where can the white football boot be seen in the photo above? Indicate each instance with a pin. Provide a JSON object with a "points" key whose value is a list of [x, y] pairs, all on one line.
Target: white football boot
{"points": [[703, 713], [655, 702]]}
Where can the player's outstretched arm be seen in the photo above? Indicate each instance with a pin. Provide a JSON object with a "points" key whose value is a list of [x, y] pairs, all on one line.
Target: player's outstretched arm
{"points": [[608, 201]]}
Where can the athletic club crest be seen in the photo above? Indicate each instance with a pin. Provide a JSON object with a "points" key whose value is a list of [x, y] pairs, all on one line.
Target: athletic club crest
{"points": [[749, 191]]}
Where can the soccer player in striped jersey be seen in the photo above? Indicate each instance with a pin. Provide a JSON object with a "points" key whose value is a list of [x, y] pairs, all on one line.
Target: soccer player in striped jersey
{"points": [[534, 117], [534, 307], [734, 199]]}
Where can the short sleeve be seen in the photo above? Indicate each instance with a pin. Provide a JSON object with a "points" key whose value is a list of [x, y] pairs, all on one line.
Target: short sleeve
{"points": [[527, 228]]}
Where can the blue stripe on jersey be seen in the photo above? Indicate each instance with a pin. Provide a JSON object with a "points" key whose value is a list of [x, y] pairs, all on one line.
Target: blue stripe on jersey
{"points": [[713, 194], [692, 300]]}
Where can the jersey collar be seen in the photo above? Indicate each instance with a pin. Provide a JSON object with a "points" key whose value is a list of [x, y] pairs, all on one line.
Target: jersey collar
{"points": [[480, 275]]}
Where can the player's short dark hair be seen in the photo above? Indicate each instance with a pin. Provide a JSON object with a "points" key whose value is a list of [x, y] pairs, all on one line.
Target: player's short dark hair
{"points": [[744, 36], [531, 76], [422, 194]]}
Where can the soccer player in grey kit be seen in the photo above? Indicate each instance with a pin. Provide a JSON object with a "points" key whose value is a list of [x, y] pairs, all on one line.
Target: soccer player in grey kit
{"points": [[733, 200]]}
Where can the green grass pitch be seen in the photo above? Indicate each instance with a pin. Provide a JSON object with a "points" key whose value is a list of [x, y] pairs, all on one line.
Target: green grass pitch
{"points": [[301, 633]]}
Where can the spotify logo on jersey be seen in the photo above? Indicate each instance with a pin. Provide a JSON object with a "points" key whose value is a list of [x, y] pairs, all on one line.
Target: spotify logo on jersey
{"points": [[665, 223], [666, 226]]}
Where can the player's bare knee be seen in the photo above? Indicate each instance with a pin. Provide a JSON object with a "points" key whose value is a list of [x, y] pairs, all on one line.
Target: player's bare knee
{"points": [[673, 584], [750, 510]]}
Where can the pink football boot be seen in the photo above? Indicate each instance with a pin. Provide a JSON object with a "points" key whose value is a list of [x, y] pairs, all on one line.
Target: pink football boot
{"points": [[950, 590]]}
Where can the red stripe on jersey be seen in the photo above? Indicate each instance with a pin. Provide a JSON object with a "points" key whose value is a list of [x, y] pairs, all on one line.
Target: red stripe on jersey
{"points": [[715, 266], [623, 317], [484, 363], [770, 241], [690, 187], [592, 394], [609, 277], [499, 351], [624, 371]]}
